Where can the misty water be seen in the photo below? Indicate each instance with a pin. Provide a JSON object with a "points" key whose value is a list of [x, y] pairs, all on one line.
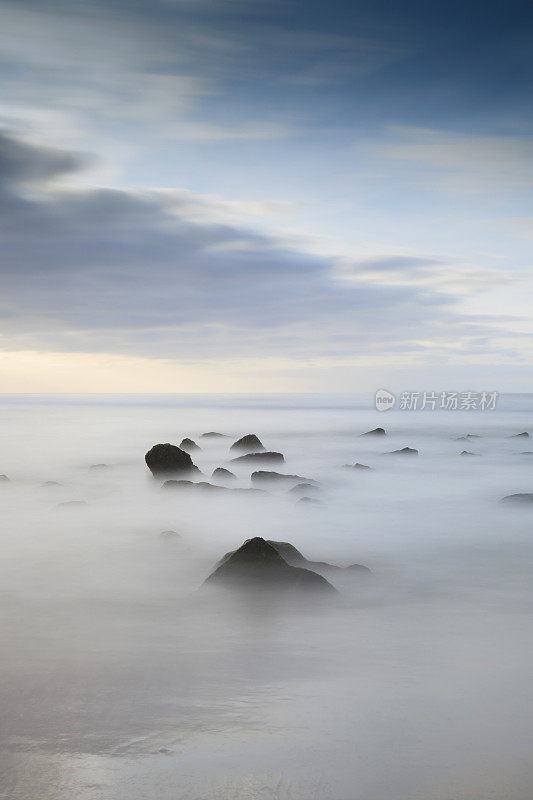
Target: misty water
{"points": [[119, 681]]}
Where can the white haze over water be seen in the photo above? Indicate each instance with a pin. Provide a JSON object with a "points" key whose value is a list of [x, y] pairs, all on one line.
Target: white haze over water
{"points": [[118, 682]]}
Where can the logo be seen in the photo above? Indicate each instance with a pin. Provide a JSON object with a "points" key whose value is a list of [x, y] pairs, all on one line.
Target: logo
{"points": [[384, 400]]}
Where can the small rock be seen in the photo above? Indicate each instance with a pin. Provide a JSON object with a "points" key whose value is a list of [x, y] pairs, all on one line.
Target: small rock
{"points": [[188, 445], [222, 474], [170, 535], [303, 487], [375, 432], [356, 466], [51, 483], [248, 444], [405, 451], [214, 435], [3, 478], [523, 435], [255, 458], [468, 453], [308, 500], [72, 504], [98, 466], [518, 499], [263, 476]]}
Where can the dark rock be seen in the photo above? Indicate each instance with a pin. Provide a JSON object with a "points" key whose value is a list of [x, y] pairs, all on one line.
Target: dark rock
{"points": [[468, 453], [72, 504], [405, 451], [356, 466], [375, 432], [526, 453], [518, 499], [256, 458], [523, 435], [248, 444], [188, 445], [222, 474], [167, 459], [257, 566], [214, 435], [263, 476], [293, 557]]}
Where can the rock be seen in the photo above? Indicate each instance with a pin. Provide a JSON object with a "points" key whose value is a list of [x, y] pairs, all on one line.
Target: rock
{"points": [[523, 435], [518, 499], [204, 486], [303, 487], [356, 466], [468, 453], [526, 453], [170, 535], [72, 504], [257, 566], [248, 444], [214, 435], [263, 476], [222, 474], [293, 557], [188, 445], [51, 484], [4, 479], [256, 458], [307, 500], [375, 432], [405, 451], [167, 459], [98, 466]]}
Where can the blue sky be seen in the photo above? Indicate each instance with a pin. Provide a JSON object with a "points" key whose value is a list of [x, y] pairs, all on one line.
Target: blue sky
{"points": [[214, 196]]}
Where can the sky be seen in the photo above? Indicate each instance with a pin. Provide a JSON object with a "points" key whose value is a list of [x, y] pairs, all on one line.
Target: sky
{"points": [[265, 196]]}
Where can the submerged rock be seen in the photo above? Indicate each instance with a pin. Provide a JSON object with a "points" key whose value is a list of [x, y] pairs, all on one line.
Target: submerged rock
{"points": [[356, 466], [3, 478], [167, 459], [98, 466], [72, 504], [468, 453], [258, 566], [375, 432], [189, 445], [303, 487], [405, 451], [51, 484], [307, 500], [248, 444], [214, 435], [222, 474], [170, 535], [525, 498], [255, 458], [204, 486], [263, 476], [523, 435]]}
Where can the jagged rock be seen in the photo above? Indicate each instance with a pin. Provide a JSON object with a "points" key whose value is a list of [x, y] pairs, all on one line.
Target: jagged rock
{"points": [[468, 453], [257, 566], [375, 432], [523, 435], [167, 459], [263, 476], [248, 444], [518, 499], [222, 474], [189, 446], [356, 466], [405, 451], [256, 458], [214, 435]]}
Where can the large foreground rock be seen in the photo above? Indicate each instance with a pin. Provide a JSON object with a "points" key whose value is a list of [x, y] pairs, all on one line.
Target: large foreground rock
{"points": [[258, 566], [259, 458], [167, 459], [248, 444]]}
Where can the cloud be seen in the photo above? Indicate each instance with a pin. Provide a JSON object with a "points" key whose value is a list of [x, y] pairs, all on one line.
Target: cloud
{"points": [[103, 269]]}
